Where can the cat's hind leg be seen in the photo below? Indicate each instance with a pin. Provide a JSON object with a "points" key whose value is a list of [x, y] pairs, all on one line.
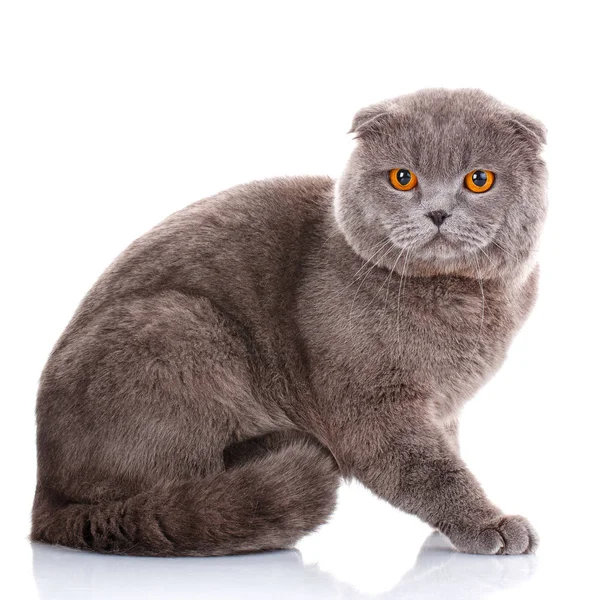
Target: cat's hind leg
{"points": [[135, 410]]}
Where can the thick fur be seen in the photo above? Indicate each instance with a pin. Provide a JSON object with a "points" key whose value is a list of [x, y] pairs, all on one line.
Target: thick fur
{"points": [[278, 497], [237, 359]]}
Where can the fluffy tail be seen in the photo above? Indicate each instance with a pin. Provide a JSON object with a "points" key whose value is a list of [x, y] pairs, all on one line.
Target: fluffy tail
{"points": [[268, 503]]}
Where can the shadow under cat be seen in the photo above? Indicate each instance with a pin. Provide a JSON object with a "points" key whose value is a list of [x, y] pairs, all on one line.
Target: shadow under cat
{"points": [[439, 571]]}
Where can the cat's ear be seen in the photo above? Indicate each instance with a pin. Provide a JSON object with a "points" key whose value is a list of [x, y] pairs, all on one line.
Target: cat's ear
{"points": [[528, 128], [370, 119]]}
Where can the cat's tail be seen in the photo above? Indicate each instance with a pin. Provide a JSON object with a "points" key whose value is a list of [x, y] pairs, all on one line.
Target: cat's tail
{"points": [[268, 503]]}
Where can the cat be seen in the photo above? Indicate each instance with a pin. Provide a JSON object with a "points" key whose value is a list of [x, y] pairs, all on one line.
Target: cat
{"points": [[236, 361]]}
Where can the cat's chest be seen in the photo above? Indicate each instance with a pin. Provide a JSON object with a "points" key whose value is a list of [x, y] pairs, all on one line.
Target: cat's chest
{"points": [[444, 336], [453, 336]]}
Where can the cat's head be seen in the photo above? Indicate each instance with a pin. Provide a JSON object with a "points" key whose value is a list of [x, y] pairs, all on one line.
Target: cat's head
{"points": [[444, 181]]}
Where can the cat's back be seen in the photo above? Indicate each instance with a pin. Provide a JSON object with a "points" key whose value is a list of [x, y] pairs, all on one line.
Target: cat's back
{"points": [[239, 242]]}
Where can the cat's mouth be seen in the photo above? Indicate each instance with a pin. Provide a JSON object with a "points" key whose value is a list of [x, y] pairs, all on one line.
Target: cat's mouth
{"points": [[445, 238], [439, 245], [444, 245]]}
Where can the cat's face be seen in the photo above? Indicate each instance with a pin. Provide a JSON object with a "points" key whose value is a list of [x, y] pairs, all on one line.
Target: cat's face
{"points": [[437, 215]]}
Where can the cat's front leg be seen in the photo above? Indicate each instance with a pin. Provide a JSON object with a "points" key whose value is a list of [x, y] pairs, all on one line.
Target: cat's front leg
{"points": [[418, 469]]}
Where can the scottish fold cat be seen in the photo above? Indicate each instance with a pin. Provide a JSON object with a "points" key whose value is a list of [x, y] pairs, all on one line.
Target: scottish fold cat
{"points": [[235, 361]]}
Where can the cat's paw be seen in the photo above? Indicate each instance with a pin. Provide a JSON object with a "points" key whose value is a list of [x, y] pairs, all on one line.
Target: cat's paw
{"points": [[508, 534]]}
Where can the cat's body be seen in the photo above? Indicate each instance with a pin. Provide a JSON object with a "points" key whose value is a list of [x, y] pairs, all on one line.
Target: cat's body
{"points": [[234, 361]]}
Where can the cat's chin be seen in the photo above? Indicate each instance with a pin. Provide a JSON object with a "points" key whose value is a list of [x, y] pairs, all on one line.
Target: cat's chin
{"points": [[444, 255], [444, 248]]}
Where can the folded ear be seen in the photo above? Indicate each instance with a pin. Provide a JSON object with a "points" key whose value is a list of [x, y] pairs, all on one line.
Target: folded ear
{"points": [[370, 119], [528, 128]]}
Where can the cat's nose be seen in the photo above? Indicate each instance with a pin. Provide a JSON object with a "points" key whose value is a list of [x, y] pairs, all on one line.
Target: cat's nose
{"points": [[438, 216]]}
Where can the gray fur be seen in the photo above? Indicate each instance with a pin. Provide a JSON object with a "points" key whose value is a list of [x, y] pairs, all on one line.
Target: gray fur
{"points": [[232, 363]]}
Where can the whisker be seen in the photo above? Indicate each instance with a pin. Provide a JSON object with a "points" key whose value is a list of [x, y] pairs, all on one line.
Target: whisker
{"points": [[386, 280], [470, 238], [503, 249], [399, 295], [365, 278], [356, 276], [482, 306], [390, 276], [494, 267]]}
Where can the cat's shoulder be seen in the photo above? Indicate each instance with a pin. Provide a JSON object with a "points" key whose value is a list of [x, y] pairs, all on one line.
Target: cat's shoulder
{"points": [[257, 205], [296, 189], [305, 193], [293, 186]]}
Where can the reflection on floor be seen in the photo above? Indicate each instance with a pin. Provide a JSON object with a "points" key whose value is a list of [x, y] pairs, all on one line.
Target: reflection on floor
{"points": [[439, 572]]}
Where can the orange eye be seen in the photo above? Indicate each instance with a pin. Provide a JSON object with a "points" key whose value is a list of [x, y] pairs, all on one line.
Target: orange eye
{"points": [[403, 179], [479, 181]]}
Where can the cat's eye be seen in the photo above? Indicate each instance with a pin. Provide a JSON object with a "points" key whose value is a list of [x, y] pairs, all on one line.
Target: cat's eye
{"points": [[479, 180], [403, 179]]}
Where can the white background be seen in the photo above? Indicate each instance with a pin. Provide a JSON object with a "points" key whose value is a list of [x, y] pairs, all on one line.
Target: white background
{"points": [[115, 114]]}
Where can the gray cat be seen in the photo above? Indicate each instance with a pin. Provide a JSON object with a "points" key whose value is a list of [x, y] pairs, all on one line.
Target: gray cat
{"points": [[239, 358]]}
